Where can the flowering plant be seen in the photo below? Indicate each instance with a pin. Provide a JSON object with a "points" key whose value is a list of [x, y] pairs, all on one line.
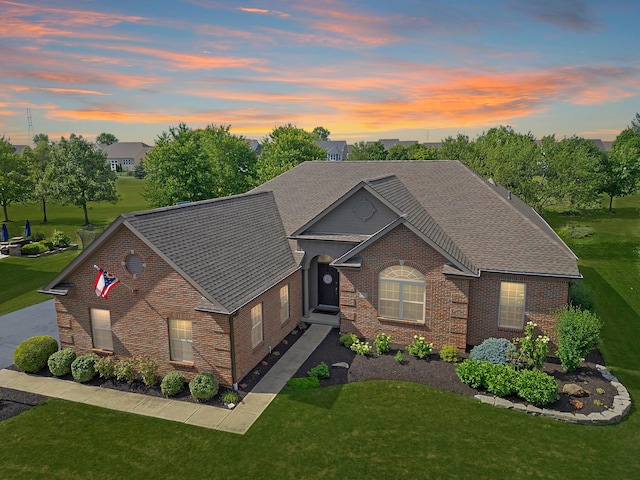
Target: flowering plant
{"points": [[361, 348], [419, 348], [530, 351]]}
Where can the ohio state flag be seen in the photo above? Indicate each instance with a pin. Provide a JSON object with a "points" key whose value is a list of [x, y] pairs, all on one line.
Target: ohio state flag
{"points": [[104, 283]]}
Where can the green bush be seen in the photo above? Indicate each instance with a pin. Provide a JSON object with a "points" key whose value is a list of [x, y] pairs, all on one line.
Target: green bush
{"points": [[474, 373], [501, 380], [32, 354], [348, 339], [382, 343], [60, 362], [578, 333], [37, 236], [106, 367], [361, 348], [172, 383], [492, 350], [580, 295], [529, 351], [449, 353], [148, 369], [419, 348], [203, 387], [32, 249], [536, 387], [60, 239], [83, 367], [305, 383], [229, 396], [125, 370], [398, 357], [320, 371]]}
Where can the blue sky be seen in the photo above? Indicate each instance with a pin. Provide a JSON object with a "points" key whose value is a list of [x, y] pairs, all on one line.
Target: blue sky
{"points": [[414, 70]]}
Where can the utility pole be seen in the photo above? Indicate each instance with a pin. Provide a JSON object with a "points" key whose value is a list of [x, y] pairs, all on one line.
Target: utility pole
{"points": [[30, 124]]}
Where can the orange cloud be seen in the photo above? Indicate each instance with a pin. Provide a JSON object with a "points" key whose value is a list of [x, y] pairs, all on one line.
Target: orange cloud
{"points": [[263, 11]]}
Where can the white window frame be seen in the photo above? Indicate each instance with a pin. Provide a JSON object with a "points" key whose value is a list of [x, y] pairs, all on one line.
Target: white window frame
{"points": [[284, 304], [114, 165], [257, 334], [512, 298], [181, 340], [401, 276], [101, 329], [127, 161]]}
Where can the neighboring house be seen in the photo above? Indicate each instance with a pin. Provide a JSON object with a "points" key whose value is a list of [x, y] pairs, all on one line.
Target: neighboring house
{"points": [[392, 142], [336, 149], [17, 149], [405, 248], [126, 154]]}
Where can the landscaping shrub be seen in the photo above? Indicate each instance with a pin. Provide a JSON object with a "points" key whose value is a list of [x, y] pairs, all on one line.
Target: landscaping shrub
{"points": [[580, 295], [60, 239], [449, 353], [529, 351], [382, 343], [60, 362], [578, 333], [361, 348], [125, 369], [501, 380], [148, 369], [83, 367], [419, 348], [320, 371], [492, 350], [474, 372], [398, 357], [203, 387], [536, 387], [32, 354], [106, 367], [172, 383], [303, 383], [37, 236], [31, 249], [229, 396], [348, 339]]}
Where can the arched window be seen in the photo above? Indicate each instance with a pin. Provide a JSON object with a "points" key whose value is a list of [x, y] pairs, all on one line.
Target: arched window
{"points": [[402, 293]]}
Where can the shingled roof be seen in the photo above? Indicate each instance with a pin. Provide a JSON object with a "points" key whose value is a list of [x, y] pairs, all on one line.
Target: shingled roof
{"points": [[492, 229], [230, 249]]}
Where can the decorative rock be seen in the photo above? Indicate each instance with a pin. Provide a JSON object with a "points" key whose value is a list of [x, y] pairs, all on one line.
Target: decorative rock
{"points": [[485, 399], [340, 365], [573, 390], [231, 406], [534, 410], [502, 403]]}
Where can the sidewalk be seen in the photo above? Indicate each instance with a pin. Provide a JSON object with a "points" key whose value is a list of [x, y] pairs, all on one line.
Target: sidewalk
{"points": [[238, 420]]}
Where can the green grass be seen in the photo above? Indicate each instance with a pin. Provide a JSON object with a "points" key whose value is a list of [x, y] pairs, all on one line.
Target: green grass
{"points": [[20, 278], [371, 429]]}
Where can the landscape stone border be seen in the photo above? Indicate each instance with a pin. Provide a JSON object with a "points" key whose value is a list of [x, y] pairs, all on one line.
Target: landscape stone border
{"points": [[620, 408]]}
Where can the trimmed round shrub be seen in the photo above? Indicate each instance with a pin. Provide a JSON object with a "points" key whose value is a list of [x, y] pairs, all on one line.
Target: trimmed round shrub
{"points": [[492, 350], [537, 387], [31, 249], [449, 353], [31, 355], [501, 380], [172, 383], [348, 339], [320, 371], [60, 362], [203, 387], [474, 372], [83, 367]]}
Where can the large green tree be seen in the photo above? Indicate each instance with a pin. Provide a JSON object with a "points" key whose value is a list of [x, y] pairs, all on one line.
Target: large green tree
{"points": [[635, 124], [620, 168], [284, 148], [321, 133], [397, 152], [417, 151], [78, 169], [191, 165], [14, 177], [368, 151], [106, 138], [37, 159]]}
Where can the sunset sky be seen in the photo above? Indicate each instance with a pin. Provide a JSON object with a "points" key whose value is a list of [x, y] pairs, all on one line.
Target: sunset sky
{"points": [[411, 69]]}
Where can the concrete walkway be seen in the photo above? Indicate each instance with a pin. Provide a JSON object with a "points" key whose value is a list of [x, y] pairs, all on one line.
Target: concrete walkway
{"points": [[238, 420]]}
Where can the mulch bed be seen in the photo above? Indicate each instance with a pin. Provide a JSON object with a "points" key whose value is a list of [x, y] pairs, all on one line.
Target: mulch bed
{"points": [[433, 372]]}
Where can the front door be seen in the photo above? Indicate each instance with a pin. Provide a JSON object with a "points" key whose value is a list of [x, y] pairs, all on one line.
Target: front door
{"points": [[328, 286]]}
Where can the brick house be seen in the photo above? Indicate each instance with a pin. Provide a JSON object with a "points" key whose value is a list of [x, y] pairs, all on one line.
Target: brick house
{"points": [[405, 248]]}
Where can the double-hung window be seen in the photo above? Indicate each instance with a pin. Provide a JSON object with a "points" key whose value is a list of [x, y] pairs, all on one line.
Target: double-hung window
{"points": [[512, 304], [256, 325], [101, 329], [181, 340], [284, 304], [401, 293]]}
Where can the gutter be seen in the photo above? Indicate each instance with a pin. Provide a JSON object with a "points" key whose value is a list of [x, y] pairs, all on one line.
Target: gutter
{"points": [[232, 339]]}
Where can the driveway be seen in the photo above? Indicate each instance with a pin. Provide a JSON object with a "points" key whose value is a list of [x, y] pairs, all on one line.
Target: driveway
{"points": [[39, 319]]}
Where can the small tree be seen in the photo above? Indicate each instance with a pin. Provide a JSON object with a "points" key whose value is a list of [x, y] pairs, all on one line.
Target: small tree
{"points": [[620, 168], [578, 333], [14, 177], [106, 138], [321, 133], [80, 173], [37, 160]]}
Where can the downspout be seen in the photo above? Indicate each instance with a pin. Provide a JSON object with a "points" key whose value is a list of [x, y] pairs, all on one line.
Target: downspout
{"points": [[232, 339]]}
